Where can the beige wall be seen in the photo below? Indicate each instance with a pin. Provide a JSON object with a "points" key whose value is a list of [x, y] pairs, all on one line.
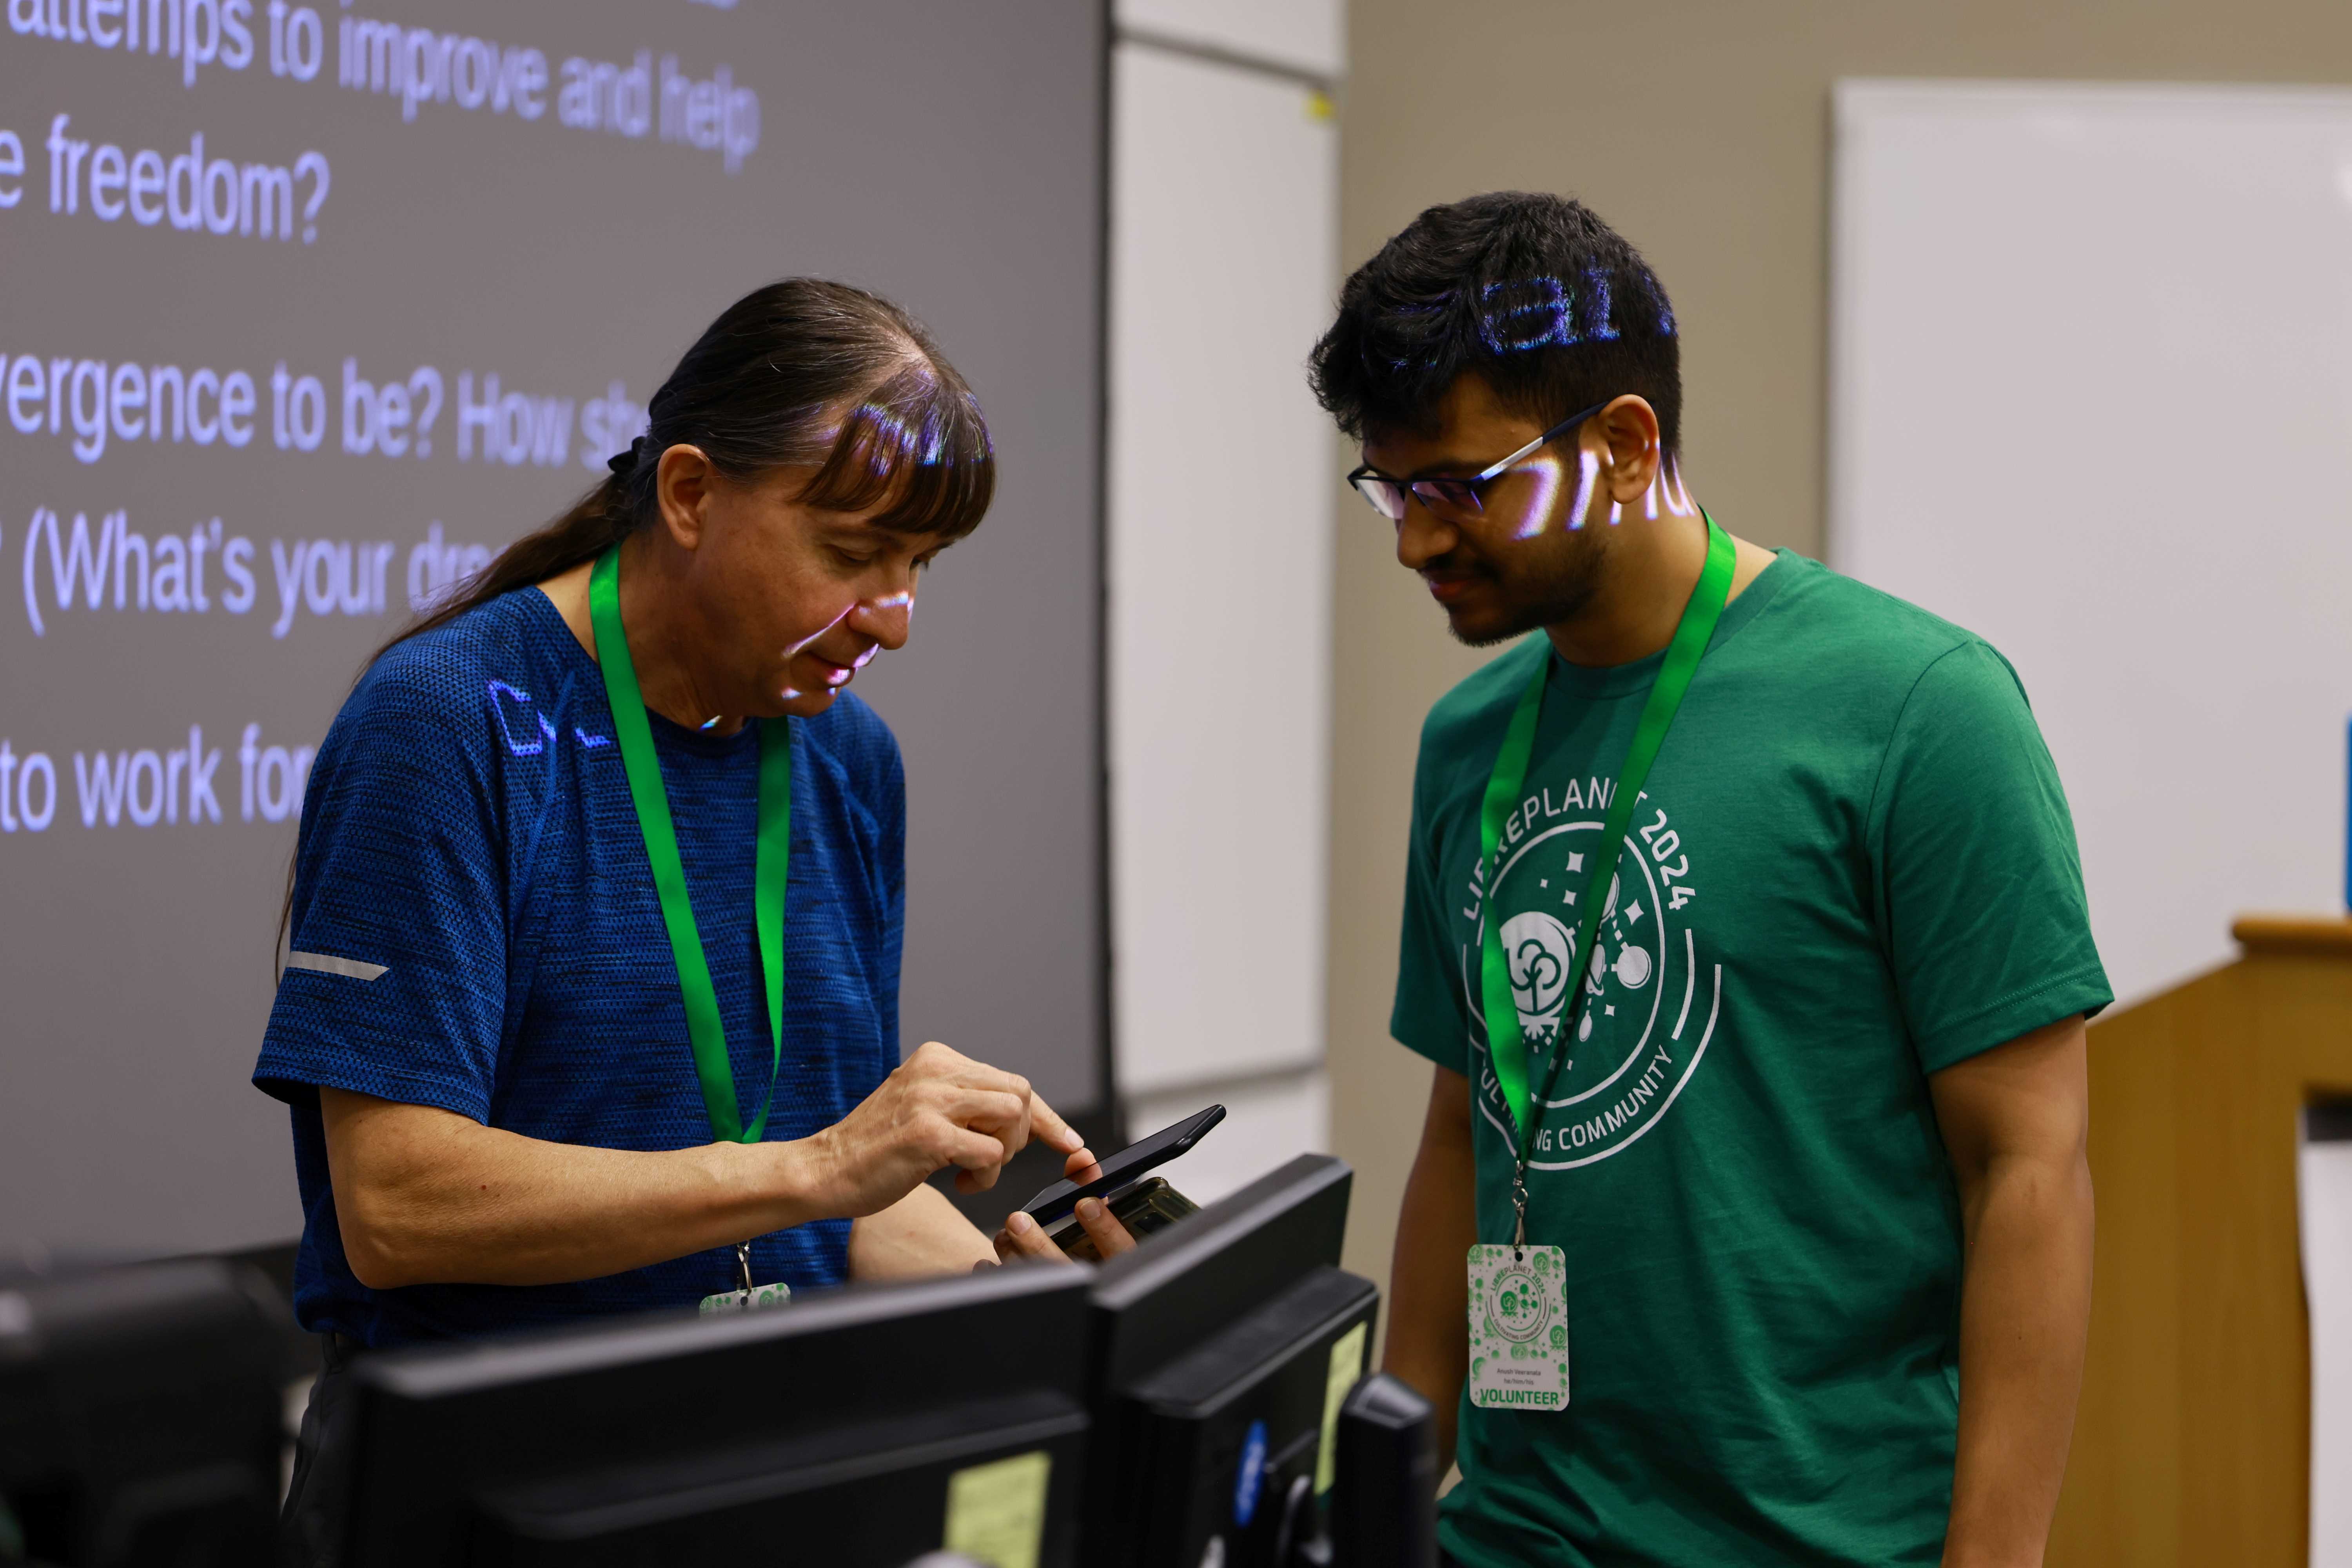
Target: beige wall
{"points": [[1701, 131]]}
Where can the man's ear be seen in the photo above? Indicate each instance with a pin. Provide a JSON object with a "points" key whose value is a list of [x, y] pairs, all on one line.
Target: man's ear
{"points": [[682, 491], [1629, 426]]}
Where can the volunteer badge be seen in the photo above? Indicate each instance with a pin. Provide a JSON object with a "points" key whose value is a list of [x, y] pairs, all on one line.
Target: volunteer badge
{"points": [[1518, 1328]]}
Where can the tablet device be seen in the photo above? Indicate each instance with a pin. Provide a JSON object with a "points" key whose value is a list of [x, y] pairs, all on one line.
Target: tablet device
{"points": [[1057, 1201]]}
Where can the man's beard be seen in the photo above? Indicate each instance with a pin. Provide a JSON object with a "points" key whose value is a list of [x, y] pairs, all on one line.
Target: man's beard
{"points": [[1539, 595]]}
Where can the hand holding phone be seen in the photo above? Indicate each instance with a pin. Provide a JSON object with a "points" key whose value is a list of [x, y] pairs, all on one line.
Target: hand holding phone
{"points": [[1055, 1202], [1129, 1215]]}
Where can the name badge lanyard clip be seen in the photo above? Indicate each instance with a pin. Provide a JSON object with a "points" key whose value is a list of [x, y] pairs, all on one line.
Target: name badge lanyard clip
{"points": [[706, 1030], [1507, 1041]]}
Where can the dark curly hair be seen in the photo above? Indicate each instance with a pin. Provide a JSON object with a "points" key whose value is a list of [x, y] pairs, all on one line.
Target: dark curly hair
{"points": [[1533, 292]]}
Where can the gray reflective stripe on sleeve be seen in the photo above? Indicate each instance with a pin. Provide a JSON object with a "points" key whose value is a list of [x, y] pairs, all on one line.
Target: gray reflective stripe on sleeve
{"points": [[327, 963]]}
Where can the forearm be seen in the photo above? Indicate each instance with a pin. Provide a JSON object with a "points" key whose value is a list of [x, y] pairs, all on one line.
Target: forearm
{"points": [[428, 1197], [1428, 1343], [2024, 1316], [922, 1234]]}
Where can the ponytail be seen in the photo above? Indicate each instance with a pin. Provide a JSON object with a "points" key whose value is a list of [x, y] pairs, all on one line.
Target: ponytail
{"points": [[801, 372], [597, 522]]}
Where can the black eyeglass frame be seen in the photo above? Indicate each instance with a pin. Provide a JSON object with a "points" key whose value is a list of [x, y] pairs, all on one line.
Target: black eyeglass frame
{"points": [[1472, 487]]}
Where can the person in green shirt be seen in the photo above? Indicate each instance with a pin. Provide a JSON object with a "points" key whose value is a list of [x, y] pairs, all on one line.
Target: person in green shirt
{"points": [[1813, 1146]]}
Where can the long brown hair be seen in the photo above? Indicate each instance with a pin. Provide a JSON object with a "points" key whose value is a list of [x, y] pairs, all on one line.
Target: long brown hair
{"points": [[803, 372]]}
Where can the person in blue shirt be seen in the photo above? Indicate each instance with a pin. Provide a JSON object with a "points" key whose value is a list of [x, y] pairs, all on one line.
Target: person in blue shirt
{"points": [[482, 1029]]}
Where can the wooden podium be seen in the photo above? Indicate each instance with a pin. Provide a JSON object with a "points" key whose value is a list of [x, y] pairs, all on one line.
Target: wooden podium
{"points": [[2193, 1446]]}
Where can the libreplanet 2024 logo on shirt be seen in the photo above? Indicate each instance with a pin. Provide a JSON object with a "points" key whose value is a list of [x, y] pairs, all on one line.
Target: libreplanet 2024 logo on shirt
{"points": [[1651, 1003]]}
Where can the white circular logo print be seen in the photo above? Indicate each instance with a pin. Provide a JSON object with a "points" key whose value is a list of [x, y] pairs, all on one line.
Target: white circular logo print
{"points": [[1649, 1005], [1538, 949]]}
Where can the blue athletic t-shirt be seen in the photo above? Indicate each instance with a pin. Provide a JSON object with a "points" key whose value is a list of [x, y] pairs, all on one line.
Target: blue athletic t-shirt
{"points": [[468, 828]]}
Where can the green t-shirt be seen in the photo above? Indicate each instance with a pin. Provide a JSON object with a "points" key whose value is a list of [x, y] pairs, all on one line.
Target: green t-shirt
{"points": [[1852, 866]]}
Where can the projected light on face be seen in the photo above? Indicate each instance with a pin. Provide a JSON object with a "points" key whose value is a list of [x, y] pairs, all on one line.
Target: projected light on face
{"points": [[1454, 387], [1670, 482], [1588, 470], [801, 647], [910, 471], [838, 677], [903, 601], [1521, 315], [1547, 477], [1665, 488], [794, 651]]}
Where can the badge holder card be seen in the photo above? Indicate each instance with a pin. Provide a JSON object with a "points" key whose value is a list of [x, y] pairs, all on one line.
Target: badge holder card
{"points": [[1518, 1327], [747, 1297]]}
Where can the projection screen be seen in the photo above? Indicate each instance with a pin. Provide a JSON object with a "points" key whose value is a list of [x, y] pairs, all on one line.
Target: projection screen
{"points": [[311, 308]]}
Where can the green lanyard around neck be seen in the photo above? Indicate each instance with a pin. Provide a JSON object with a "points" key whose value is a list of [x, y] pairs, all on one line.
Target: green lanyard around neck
{"points": [[704, 1027], [1507, 1042]]}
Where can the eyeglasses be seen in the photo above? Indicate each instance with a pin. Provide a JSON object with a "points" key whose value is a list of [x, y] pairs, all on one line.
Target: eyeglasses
{"points": [[1449, 497]]}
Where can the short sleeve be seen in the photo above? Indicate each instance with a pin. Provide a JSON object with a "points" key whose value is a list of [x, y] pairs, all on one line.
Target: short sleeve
{"points": [[396, 975], [1981, 885], [1429, 1015]]}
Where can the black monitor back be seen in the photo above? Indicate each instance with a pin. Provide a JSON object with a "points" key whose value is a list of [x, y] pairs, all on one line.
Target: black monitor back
{"points": [[1178, 1290], [834, 1430], [1236, 1440], [141, 1414], [1184, 1283]]}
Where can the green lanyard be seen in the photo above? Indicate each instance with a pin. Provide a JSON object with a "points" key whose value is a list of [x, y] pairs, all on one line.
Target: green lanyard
{"points": [[703, 1025], [1507, 1042]]}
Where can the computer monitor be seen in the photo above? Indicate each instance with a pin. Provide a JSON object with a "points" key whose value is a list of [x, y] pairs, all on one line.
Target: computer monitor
{"points": [[1223, 1347], [1206, 1271], [141, 1417], [864, 1427], [1385, 1501]]}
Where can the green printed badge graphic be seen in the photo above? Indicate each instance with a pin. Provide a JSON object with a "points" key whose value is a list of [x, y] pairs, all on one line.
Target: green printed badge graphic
{"points": [[776, 1295], [1518, 1328]]}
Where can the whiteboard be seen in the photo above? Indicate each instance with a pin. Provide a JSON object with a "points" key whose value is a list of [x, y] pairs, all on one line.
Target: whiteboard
{"points": [[1218, 558], [2091, 397], [1308, 37]]}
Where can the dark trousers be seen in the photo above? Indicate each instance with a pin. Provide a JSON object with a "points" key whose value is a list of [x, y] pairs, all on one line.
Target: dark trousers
{"points": [[310, 1530]]}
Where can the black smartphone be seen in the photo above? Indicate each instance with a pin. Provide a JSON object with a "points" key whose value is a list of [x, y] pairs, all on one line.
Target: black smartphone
{"points": [[1150, 1206], [1057, 1201]]}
